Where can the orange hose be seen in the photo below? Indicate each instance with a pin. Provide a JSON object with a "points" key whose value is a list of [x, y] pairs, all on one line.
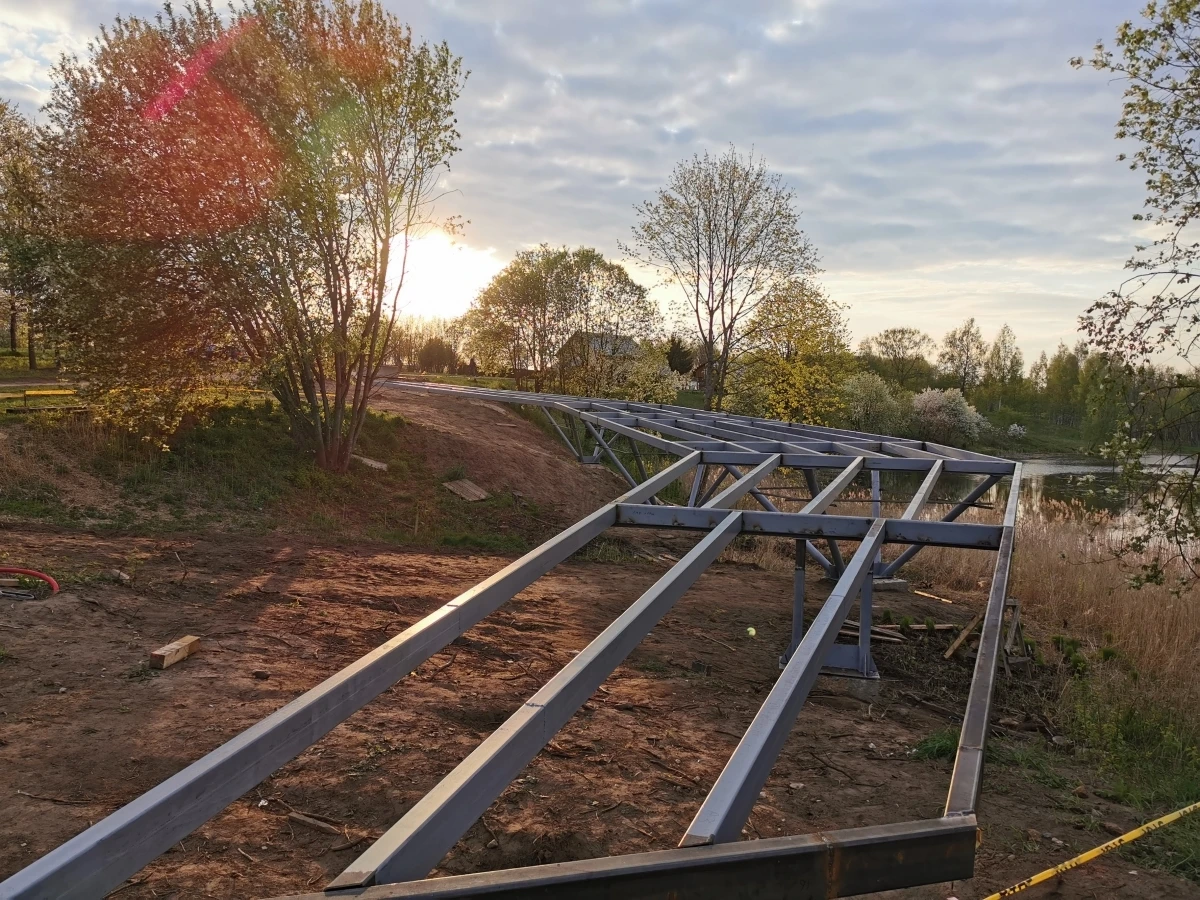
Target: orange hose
{"points": [[31, 573]]}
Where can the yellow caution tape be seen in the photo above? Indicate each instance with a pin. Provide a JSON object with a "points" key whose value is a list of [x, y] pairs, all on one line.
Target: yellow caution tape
{"points": [[1082, 858]]}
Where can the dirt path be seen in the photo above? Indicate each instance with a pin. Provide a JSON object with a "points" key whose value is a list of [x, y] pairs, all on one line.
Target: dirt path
{"points": [[84, 727]]}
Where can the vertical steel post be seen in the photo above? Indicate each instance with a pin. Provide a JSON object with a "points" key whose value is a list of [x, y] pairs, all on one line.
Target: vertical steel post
{"points": [[797, 601], [876, 506], [865, 668], [698, 476]]}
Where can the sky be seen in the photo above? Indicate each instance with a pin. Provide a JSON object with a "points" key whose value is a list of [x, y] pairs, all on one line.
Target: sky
{"points": [[946, 159]]}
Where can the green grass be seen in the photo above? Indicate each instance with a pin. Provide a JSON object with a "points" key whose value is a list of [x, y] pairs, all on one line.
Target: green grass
{"points": [[483, 381], [239, 468], [14, 367], [1149, 757], [942, 744], [693, 399]]}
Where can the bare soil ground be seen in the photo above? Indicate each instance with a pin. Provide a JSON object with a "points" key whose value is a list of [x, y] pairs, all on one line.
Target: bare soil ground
{"points": [[85, 727], [501, 451]]}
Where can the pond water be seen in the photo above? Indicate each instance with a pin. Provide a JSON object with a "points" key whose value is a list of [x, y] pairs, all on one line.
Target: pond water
{"points": [[1043, 478]]}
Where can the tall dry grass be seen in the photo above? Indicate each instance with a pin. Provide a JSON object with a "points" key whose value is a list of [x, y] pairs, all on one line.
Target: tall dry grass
{"points": [[1069, 583]]}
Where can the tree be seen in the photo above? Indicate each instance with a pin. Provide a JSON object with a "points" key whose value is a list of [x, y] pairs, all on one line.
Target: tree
{"points": [[23, 239], [962, 355], [868, 404], [245, 188], [680, 357], [646, 377], [437, 356], [565, 315], [1062, 386], [945, 417], [902, 351], [1037, 373], [1157, 309], [797, 355], [1004, 367], [724, 230]]}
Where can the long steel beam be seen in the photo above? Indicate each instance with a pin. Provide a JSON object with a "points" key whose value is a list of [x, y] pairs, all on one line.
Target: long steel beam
{"points": [[744, 485], [415, 844], [968, 763], [809, 526], [728, 805], [963, 505], [100, 858], [843, 863]]}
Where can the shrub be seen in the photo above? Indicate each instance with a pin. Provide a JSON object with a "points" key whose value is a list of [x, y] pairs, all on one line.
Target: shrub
{"points": [[945, 417], [868, 404]]}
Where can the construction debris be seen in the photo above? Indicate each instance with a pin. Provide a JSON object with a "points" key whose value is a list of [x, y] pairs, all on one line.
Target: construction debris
{"points": [[174, 652], [466, 489], [964, 634]]}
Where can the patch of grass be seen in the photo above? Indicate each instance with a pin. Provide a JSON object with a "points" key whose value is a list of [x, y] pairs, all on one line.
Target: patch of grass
{"points": [[1036, 763], [942, 744], [4, 654], [141, 672], [485, 541], [606, 549], [653, 667], [14, 366]]}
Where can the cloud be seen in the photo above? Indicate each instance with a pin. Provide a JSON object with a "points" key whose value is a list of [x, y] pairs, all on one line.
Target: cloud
{"points": [[947, 160]]}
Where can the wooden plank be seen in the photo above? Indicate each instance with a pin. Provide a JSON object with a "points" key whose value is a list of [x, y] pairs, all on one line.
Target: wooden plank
{"points": [[965, 633], [174, 652], [468, 490]]}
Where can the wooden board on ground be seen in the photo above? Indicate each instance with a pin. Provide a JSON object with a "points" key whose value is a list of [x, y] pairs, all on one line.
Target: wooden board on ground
{"points": [[174, 652], [965, 633], [468, 490]]}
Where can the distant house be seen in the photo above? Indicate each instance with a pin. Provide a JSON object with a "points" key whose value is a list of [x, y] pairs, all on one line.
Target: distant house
{"points": [[583, 347]]}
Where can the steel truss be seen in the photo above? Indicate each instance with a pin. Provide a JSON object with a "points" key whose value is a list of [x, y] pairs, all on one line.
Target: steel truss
{"points": [[723, 459]]}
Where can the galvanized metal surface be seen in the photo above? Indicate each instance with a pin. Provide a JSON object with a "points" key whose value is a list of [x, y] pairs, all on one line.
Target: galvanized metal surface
{"points": [[709, 446]]}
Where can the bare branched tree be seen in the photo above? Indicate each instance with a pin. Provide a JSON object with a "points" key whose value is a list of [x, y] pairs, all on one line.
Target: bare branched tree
{"points": [[725, 231]]}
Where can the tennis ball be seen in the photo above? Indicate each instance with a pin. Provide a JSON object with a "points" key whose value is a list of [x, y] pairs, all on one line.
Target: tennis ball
{"points": [[750, 631]]}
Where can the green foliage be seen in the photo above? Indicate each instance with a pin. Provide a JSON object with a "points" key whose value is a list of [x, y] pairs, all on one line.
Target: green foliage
{"points": [[945, 417], [868, 405], [567, 319], [963, 354], [900, 355], [942, 744], [796, 357]]}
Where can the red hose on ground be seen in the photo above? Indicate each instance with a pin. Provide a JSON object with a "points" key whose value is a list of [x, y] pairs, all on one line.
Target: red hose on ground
{"points": [[7, 570]]}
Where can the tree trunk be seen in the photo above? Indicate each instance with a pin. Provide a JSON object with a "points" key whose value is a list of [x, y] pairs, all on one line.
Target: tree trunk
{"points": [[32, 348], [12, 330]]}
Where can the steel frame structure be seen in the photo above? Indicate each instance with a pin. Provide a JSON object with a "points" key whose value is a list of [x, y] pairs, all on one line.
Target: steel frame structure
{"points": [[727, 457]]}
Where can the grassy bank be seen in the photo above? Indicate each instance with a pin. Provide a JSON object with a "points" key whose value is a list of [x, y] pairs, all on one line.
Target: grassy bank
{"points": [[240, 469]]}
